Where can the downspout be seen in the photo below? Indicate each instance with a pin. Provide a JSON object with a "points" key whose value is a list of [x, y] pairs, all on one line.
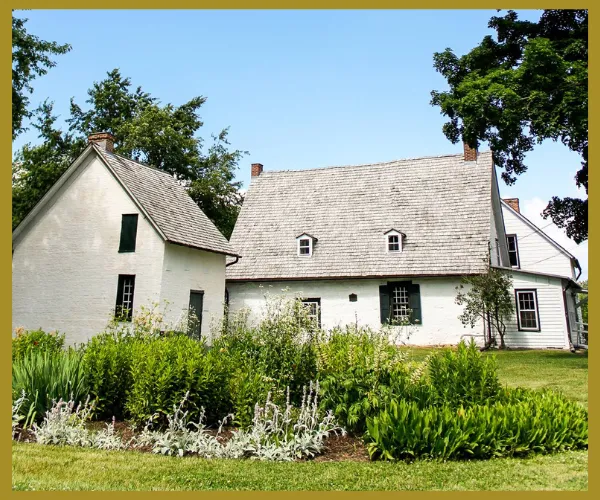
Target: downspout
{"points": [[237, 258], [571, 346]]}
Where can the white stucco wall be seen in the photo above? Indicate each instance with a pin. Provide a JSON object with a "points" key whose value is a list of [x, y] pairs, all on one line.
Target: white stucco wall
{"points": [[439, 312], [536, 253], [66, 262], [553, 323], [187, 269]]}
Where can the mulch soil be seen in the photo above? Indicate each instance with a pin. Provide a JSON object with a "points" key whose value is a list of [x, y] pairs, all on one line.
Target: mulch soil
{"points": [[337, 448]]}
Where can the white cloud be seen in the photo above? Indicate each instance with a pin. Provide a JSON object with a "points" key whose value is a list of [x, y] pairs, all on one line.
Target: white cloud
{"points": [[532, 209]]}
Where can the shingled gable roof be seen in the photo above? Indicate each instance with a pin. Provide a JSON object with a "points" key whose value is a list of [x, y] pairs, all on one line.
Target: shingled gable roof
{"points": [[442, 204], [166, 203]]}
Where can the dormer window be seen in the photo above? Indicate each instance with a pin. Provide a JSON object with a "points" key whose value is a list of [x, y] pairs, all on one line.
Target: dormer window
{"points": [[304, 247], [393, 241], [305, 244]]}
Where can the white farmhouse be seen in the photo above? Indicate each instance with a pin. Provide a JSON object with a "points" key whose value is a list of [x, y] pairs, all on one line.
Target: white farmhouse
{"points": [[110, 236], [372, 243]]}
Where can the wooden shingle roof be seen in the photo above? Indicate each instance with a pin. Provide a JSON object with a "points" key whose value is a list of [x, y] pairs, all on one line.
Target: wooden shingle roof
{"points": [[442, 204]]}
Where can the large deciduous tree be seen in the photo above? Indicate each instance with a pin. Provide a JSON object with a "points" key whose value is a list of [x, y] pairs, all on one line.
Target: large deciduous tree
{"points": [[529, 85], [31, 57], [164, 136]]}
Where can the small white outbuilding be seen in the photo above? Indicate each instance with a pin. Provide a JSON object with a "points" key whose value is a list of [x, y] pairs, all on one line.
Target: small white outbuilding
{"points": [[110, 236]]}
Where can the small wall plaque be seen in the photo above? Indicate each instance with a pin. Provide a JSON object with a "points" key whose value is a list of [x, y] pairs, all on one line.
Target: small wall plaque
{"points": [[353, 297]]}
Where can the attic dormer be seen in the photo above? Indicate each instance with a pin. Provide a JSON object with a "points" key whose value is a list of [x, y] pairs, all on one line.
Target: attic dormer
{"points": [[305, 244], [394, 241]]}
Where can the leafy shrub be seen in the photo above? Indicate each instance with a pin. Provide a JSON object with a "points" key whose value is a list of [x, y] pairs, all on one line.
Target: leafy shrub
{"points": [[359, 370], [464, 376], [45, 376], [520, 423], [247, 385], [164, 369], [107, 363], [24, 342], [280, 345]]}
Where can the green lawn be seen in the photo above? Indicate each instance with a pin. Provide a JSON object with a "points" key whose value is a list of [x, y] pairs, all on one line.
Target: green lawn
{"points": [[37, 467], [559, 370]]}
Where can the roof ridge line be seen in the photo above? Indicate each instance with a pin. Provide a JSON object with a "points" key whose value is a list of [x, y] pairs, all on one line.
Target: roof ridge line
{"points": [[383, 163]]}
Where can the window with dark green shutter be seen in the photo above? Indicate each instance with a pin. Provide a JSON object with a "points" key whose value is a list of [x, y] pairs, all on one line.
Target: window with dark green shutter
{"points": [[400, 302], [129, 224]]}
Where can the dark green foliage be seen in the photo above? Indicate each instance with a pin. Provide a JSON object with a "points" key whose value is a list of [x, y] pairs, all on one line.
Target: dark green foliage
{"points": [[107, 361], [520, 423], [164, 136], [359, 370], [281, 347], [247, 386], [528, 85], [463, 377], [45, 376], [24, 342], [31, 57], [165, 368]]}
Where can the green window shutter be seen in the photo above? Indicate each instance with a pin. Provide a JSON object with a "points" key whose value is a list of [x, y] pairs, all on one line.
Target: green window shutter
{"points": [[129, 224], [414, 302], [384, 304]]}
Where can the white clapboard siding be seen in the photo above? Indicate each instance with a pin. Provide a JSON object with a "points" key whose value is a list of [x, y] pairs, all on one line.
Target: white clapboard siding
{"points": [[536, 253], [551, 314]]}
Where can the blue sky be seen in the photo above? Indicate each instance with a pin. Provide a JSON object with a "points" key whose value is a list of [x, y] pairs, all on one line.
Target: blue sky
{"points": [[298, 89]]}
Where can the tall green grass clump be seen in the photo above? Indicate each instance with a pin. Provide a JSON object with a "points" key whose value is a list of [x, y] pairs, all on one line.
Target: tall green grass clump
{"points": [[47, 376]]}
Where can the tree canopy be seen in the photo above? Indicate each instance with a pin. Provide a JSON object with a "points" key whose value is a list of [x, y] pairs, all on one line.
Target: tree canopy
{"points": [[529, 85], [164, 136], [31, 57]]}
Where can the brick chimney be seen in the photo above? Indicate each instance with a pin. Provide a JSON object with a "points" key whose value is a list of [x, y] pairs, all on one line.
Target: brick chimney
{"points": [[256, 170], [104, 140], [512, 203], [470, 154]]}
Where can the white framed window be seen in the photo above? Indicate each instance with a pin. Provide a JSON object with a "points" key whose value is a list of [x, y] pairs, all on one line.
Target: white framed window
{"points": [[304, 247], [305, 244], [528, 315], [125, 290], [393, 241], [400, 304], [313, 307], [513, 250]]}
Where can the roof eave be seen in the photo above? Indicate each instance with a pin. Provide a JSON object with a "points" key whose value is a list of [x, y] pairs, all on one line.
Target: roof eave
{"points": [[205, 249]]}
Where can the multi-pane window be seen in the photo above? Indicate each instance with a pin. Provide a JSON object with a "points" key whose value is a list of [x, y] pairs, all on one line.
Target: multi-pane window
{"points": [[304, 246], [125, 290], [313, 307], [513, 250], [527, 310], [129, 223], [400, 304], [394, 243]]}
